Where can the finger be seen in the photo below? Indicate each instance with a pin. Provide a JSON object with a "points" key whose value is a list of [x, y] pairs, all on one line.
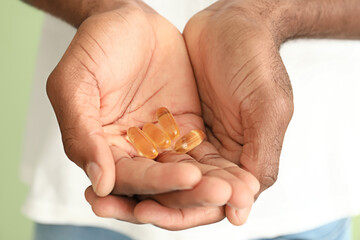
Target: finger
{"points": [[121, 208], [140, 175], [120, 142], [149, 211], [237, 217], [250, 180], [209, 192], [207, 153], [244, 185], [241, 195], [76, 104]]}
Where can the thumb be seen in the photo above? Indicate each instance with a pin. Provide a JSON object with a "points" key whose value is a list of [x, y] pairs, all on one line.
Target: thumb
{"points": [[76, 102]]}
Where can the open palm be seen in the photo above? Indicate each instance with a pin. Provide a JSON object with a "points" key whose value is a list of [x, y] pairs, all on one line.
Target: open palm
{"points": [[116, 72], [120, 67]]}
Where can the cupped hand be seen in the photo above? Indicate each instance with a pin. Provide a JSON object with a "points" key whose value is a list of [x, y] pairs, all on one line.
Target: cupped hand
{"points": [[245, 92], [120, 67], [223, 182]]}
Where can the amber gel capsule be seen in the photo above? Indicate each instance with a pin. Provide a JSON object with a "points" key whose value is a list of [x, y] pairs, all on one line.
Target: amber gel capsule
{"points": [[167, 122], [158, 136], [142, 143], [189, 141]]}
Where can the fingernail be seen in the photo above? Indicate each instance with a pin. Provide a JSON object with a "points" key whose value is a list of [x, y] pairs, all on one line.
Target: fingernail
{"points": [[89, 196], [242, 215], [94, 172]]}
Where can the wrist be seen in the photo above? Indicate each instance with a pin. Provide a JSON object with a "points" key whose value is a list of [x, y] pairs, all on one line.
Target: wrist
{"points": [[76, 12], [275, 17], [99, 7], [315, 19], [288, 19], [268, 17], [94, 7], [281, 20]]}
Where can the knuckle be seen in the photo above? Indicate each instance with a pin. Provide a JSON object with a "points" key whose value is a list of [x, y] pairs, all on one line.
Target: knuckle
{"points": [[279, 111], [209, 158], [50, 85], [55, 81], [284, 106], [268, 176]]}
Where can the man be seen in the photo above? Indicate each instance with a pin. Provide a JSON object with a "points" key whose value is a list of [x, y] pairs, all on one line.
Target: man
{"points": [[126, 60]]}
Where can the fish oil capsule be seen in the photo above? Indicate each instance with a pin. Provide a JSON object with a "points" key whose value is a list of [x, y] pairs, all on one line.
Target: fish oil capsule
{"points": [[157, 136], [189, 141], [167, 122], [142, 143]]}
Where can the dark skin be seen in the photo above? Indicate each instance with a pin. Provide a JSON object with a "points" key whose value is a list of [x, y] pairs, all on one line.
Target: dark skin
{"points": [[247, 98], [243, 96], [121, 66]]}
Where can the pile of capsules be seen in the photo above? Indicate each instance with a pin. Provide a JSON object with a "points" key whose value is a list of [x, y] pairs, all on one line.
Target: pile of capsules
{"points": [[152, 137]]}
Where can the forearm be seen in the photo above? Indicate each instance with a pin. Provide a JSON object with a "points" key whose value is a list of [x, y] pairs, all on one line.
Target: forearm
{"points": [[76, 11], [71, 11], [317, 18]]}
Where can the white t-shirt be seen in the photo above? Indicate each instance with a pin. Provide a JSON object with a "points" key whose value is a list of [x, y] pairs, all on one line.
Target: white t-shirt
{"points": [[319, 170]]}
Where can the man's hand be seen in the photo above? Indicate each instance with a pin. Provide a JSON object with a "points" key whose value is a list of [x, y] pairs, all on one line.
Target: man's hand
{"points": [[120, 67], [245, 92], [244, 88]]}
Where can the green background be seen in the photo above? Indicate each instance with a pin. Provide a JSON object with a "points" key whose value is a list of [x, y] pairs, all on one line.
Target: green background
{"points": [[20, 27]]}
